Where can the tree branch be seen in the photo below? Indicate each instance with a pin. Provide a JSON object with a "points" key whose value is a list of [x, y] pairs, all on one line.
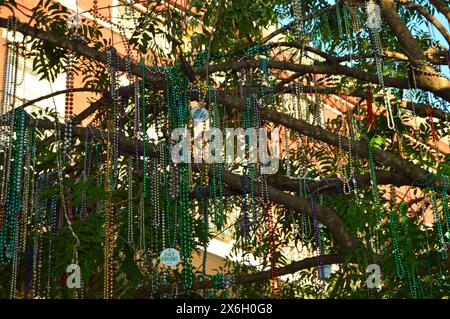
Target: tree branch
{"points": [[442, 8], [144, 292], [440, 87], [48, 96]]}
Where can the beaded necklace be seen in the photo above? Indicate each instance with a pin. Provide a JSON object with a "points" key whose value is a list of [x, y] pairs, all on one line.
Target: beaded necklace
{"points": [[445, 211], [339, 20], [269, 84], [68, 112], [286, 142], [21, 233], [275, 279], [52, 233], [112, 62], [144, 128], [399, 267], [248, 182], [83, 209], [10, 203], [108, 268], [216, 168], [305, 230], [375, 193], [13, 196], [130, 219], [348, 31], [439, 229], [374, 22], [40, 214]]}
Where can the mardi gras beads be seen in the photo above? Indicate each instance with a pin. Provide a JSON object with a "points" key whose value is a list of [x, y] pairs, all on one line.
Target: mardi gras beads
{"points": [[373, 12], [130, 217], [374, 184], [108, 246], [437, 221], [68, 112]]}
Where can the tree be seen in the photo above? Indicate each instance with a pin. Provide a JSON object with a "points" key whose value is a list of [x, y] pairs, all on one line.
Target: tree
{"points": [[79, 195]]}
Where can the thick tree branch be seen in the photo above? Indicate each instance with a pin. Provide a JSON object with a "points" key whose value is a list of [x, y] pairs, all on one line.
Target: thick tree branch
{"points": [[440, 86], [401, 31], [322, 186], [431, 54], [427, 78], [144, 292], [325, 215], [442, 8], [358, 148], [82, 49]]}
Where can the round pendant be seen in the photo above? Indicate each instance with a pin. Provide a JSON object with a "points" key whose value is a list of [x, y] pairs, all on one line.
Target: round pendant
{"points": [[9, 252], [199, 114], [170, 257], [326, 271]]}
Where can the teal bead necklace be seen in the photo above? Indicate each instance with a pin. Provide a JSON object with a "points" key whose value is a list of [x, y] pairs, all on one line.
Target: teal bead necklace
{"points": [[437, 220]]}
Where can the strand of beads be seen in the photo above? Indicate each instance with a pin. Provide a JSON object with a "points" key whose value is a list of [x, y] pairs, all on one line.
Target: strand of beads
{"points": [[275, 279], [28, 185], [351, 160], [437, 221], [250, 168], [306, 229], [112, 62], [21, 235], [399, 268], [40, 215], [142, 241], [317, 236], [246, 221], [265, 75], [108, 275], [348, 31], [68, 113], [216, 118], [9, 202], [375, 194], [256, 169], [130, 219], [185, 215], [204, 210], [10, 73], [216, 167], [373, 12], [144, 128], [14, 195], [286, 141], [445, 204], [342, 169], [52, 234], [136, 124], [186, 232], [339, 20], [83, 209]]}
